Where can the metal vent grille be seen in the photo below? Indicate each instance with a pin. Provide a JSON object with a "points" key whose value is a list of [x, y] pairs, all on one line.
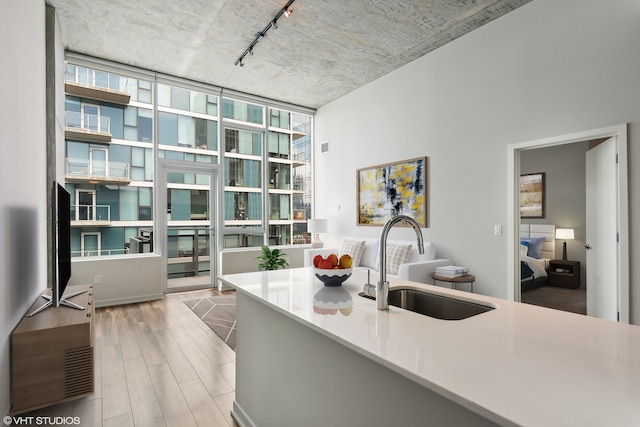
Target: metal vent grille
{"points": [[78, 372], [324, 147]]}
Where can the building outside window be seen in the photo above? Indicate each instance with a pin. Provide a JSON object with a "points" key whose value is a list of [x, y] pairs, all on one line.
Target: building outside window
{"points": [[114, 135]]}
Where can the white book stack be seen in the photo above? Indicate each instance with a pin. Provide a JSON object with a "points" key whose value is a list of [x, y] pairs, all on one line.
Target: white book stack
{"points": [[452, 271]]}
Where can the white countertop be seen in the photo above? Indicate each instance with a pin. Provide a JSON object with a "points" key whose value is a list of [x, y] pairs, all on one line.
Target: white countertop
{"points": [[518, 364]]}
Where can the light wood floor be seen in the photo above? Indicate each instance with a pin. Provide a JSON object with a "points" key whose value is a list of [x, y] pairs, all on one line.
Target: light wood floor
{"points": [[156, 364]]}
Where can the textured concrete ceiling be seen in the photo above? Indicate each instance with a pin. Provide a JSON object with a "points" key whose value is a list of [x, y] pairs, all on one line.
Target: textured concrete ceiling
{"points": [[326, 49]]}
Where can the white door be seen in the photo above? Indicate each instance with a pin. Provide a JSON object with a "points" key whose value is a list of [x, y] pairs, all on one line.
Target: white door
{"points": [[98, 160], [602, 230], [90, 244], [86, 205], [187, 206]]}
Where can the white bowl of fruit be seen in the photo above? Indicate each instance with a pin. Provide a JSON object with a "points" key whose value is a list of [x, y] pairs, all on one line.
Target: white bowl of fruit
{"points": [[331, 270]]}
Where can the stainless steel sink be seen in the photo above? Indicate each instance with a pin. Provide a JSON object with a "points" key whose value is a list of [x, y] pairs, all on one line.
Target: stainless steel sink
{"points": [[433, 305]]}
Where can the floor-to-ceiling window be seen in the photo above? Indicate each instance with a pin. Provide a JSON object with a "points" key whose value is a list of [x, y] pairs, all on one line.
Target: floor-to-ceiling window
{"points": [[121, 120]]}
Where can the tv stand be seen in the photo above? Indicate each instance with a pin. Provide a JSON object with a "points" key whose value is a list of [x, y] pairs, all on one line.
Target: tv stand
{"points": [[52, 354], [64, 301]]}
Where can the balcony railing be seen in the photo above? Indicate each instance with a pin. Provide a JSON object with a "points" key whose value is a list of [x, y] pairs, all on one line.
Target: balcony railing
{"points": [[91, 213], [96, 252], [88, 122], [100, 171], [95, 78]]}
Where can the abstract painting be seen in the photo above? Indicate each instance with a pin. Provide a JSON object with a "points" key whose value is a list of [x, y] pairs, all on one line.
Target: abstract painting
{"points": [[392, 189], [532, 195]]}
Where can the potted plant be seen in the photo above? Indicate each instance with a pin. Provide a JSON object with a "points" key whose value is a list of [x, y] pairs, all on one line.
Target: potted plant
{"points": [[271, 259]]}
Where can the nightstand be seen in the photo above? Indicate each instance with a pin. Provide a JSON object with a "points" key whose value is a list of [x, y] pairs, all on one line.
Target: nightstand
{"points": [[564, 274]]}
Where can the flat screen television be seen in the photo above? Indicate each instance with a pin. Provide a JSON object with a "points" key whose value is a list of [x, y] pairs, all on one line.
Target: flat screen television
{"points": [[62, 242], [61, 253]]}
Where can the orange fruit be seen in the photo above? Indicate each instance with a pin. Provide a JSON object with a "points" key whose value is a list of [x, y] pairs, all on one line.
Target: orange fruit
{"points": [[334, 259], [346, 261]]}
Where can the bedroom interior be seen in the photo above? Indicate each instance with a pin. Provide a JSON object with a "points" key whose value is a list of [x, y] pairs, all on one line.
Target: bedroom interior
{"points": [[549, 279]]}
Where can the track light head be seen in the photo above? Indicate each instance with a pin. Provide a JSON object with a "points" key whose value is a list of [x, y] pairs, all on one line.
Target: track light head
{"points": [[286, 11]]}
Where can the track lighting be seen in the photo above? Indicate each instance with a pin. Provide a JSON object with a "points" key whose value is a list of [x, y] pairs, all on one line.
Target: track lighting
{"points": [[286, 11]]}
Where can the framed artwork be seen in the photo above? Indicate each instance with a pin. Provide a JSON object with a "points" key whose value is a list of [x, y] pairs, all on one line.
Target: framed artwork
{"points": [[532, 195], [392, 189]]}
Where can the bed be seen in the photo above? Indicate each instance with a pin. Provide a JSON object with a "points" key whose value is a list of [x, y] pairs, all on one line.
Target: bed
{"points": [[538, 247]]}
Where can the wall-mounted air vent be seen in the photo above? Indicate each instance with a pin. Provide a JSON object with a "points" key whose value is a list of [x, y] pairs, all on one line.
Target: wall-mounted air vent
{"points": [[324, 147]]}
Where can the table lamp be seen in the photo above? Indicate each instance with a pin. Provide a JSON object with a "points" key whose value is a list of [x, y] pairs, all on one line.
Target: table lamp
{"points": [[316, 226], [564, 234]]}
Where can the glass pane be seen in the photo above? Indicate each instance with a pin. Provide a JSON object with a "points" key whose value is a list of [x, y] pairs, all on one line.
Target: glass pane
{"points": [[179, 204], [83, 75], [137, 174], [145, 125], [164, 95], [198, 102], [144, 95], [137, 156], [175, 178], [148, 170], [77, 150], [131, 116], [202, 179], [186, 131], [212, 105], [102, 79], [130, 133], [132, 88], [199, 204], [145, 196], [128, 204], [212, 135], [179, 98], [167, 128], [243, 236], [116, 119]]}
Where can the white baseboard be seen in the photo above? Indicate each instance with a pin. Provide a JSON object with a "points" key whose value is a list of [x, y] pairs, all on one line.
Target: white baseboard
{"points": [[241, 416], [130, 300]]}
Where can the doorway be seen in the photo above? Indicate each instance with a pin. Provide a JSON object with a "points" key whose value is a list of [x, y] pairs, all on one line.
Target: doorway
{"points": [[86, 205], [187, 211], [619, 292]]}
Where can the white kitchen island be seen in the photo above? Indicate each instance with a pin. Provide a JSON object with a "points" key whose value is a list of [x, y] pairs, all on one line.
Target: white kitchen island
{"points": [[302, 360]]}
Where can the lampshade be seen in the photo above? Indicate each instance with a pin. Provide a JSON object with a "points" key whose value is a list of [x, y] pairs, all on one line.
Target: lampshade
{"points": [[317, 226], [564, 234]]}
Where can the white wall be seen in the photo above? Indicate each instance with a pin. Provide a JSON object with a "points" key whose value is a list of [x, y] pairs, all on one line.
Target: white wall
{"points": [[23, 196], [123, 279], [547, 69], [243, 260]]}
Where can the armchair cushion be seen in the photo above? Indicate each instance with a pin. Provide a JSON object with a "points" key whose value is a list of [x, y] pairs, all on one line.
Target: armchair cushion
{"points": [[396, 255], [352, 247]]}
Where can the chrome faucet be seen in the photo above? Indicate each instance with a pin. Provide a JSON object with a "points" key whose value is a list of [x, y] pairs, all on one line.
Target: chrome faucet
{"points": [[382, 290]]}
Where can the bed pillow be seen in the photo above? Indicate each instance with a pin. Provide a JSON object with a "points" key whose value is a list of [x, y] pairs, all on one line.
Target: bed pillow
{"points": [[535, 246], [524, 249], [396, 254], [352, 247]]}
